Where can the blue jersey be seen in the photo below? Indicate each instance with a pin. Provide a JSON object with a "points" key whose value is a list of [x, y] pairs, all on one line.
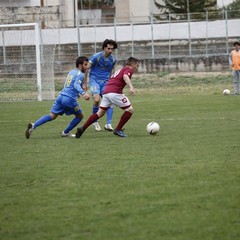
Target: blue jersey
{"points": [[73, 84], [101, 67]]}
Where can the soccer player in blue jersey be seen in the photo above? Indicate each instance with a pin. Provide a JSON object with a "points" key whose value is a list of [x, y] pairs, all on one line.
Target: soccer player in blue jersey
{"points": [[67, 100], [101, 66]]}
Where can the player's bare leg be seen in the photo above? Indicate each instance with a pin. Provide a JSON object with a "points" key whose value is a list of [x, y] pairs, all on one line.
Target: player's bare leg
{"points": [[96, 102]]}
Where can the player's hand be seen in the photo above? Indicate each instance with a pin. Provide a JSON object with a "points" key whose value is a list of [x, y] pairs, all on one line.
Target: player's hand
{"points": [[84, 87], [86, 96], [132, 91]]}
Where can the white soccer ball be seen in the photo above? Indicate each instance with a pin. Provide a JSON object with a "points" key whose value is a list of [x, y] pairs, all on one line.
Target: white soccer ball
{"points": [[226, 92], [153, 128]]}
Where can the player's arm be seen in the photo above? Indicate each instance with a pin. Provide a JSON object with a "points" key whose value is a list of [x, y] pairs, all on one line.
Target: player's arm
{"points": [[113, 69], [129, 84], [86, 77], [81, 91], [112, 72]]}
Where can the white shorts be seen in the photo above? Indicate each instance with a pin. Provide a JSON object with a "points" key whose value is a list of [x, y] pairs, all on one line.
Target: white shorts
{"points": [[116, 99]]}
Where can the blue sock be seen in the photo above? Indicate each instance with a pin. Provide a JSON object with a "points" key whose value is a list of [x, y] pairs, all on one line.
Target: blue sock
{"points": [[109, 115], [95, 109], [72, 124], [42, 120]]}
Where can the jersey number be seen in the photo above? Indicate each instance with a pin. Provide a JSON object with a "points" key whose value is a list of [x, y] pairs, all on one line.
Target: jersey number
{"points": [[68, 80], [115, 74]]}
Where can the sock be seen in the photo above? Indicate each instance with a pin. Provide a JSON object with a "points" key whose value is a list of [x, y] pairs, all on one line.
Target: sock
{"points": [[109, 115], [124, 118], [95, 110], [72, 124], [42, 120], [93, 118]]}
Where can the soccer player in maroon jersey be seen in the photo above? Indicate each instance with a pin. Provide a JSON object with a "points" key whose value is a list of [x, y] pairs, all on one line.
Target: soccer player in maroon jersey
{"points": [[113, 95]]}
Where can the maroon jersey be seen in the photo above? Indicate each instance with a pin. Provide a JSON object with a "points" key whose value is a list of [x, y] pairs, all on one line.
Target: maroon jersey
{"points": [[116, 83]]}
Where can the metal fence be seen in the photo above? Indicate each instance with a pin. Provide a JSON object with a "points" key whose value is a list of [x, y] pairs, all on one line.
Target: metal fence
{"points": [[168, 36], [145, 37]]}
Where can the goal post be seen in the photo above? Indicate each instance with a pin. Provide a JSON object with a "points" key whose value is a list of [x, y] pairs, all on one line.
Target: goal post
{"points": [[38, 62], [26, 63]]}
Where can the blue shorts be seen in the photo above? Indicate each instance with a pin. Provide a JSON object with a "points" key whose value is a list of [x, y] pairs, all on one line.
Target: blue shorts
{"points": [[67, 105], [97, 87]]}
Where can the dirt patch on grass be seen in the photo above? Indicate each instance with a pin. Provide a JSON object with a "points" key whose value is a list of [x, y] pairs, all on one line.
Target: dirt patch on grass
{"points": [[169, 76], [183, 82]]}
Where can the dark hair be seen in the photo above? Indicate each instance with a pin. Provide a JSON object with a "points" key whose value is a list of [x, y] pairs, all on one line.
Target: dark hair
{"points": [[236, 43], [110, 42], [131, 61], [80, 60]]}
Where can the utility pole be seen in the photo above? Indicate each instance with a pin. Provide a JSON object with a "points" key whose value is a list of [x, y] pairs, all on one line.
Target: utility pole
{"points": [[189, 29], [42, 21]]}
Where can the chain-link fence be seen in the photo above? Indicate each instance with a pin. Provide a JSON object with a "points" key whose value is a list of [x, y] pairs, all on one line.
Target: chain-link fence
{"points": [[172, 42], [155, 36], [26, 64], [184, 35]]}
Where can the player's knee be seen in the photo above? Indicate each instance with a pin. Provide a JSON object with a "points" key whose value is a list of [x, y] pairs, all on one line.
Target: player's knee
{"points": [[101, 112], [80, 116], [53, 116], [96, 103], [96, 99], [130, 109]]}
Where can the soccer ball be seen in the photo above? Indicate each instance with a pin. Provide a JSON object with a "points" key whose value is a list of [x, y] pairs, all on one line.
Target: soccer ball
{"points": [[226, 92], [153, 128]]}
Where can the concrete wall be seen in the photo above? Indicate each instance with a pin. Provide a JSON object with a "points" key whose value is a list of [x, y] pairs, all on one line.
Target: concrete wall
{"points": [[66, 41], [139, 10], [185, 64], [128, 33], [180, 64], [122, 12], [22, 13], [52, 13]]}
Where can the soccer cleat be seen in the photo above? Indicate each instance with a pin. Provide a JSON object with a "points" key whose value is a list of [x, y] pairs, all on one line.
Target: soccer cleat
{"points": [[79, 132], [108, 127], [120, 133], [63, 134], [97, 126], [30, 128]]}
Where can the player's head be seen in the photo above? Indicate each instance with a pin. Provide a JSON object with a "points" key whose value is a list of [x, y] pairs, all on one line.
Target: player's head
{"points": [[82, 63], [108, 46], [236, 44], [109, 42], [133, 63]]}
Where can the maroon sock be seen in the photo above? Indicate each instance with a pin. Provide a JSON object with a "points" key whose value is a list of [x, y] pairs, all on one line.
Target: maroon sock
{"points": [[90, 120], [124, 118]]}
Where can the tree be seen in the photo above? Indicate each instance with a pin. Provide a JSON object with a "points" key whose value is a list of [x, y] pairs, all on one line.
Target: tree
{"points": [[233, 9], [185, 6], [234, 5], [181, 6]]}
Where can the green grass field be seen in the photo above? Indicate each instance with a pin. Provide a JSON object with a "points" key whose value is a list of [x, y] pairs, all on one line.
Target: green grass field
{"points": [[183, 184]]}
